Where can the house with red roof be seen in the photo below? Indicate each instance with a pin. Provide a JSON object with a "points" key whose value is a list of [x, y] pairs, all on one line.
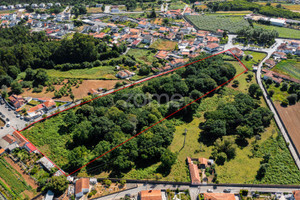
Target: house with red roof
{"points": [[17, 101], [162, 54], [30, 147], [150, 195], [82, 186], [212, 47], [218, 196], [194, 172]]}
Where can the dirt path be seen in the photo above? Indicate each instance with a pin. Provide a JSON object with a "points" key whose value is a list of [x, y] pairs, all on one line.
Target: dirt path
{"points": [[291, 118], [27, 178]]}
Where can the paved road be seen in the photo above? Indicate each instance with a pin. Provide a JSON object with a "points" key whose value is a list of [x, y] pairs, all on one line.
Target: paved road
{"points": [[276, 116], [269, 52], [194, 190]]}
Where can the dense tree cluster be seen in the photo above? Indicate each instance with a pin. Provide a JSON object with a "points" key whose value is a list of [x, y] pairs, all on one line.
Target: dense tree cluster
{"points": [[246, 5], [257, 35], [242, 117]]}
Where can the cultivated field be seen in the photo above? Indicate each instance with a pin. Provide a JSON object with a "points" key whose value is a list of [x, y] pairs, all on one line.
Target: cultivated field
{"points": [[288, 67], [292, 7], [291, 119], [106, 72], [229, 23], [79, 93], [166, 45], [283, 32]]}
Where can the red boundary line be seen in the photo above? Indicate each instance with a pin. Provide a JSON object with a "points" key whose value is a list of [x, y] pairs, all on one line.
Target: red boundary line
{"points": [[113, 91]]}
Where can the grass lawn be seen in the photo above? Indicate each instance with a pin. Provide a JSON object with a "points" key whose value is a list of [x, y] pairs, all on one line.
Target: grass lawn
{"points": [[143, 56], [92, 73], [176, 5], [94, 10], [257, 57], [166, 45], [288, 67], [283, 32], [278, 94]]}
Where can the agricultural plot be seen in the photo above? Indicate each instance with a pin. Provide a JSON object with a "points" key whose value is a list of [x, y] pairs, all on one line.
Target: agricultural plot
{"points": [[143, 56], [214, 22], [13, 179], [292, 7], [288, 67], [283, 32]]}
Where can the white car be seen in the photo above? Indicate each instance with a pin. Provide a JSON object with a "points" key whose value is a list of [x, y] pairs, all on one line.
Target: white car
{"points": [[210, 190]]}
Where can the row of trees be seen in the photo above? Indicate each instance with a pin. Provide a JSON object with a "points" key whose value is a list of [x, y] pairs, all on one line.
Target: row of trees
{"points": [[257, 35], [246, 5]]}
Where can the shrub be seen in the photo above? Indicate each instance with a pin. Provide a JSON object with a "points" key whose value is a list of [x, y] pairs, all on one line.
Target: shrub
{"points": [[38, 89], [107, 182], [292, 98], [284, 102]]}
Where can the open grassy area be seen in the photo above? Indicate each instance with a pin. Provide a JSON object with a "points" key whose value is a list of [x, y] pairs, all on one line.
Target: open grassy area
{"points": [[241, 12], [293, 7], [257, 57], [143, 56], [278, 94], [224, 22], [160, 44], [288, 67], [283, 32], [92, 73], [176, 5]]}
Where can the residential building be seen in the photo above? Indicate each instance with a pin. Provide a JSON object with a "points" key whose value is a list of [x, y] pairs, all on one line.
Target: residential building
{"points": [[162, 54], [270, 63], [17, 101], [218, 196], [49, 195], [82, 186], [148, 39], [150, 195], [19, 139], [212, 47], [277, 22], [30, 147], [124, 74], [46, 163], [237, 52], [280, 55], [194, 172]]}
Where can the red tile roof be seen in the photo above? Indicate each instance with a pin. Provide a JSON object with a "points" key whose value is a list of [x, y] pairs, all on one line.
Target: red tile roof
{"points": [[194, 172], [30, 146], [81, 184], [49, 104], [296, 194], [20, 139], [150, 195], [218, 196], [162, 54], [9, 138]]}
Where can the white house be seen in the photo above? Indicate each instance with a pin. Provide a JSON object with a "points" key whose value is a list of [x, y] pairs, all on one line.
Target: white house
{"points": [[277, 22], [82, 186]]}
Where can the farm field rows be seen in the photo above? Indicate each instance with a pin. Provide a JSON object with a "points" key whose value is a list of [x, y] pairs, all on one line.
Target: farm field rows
{"points": [[292, 7], [288, 67], [14, 180], [224, 22], [283, 32]]}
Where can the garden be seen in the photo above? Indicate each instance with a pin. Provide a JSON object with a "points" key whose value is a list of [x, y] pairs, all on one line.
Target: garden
{"points": [[161, 44]]}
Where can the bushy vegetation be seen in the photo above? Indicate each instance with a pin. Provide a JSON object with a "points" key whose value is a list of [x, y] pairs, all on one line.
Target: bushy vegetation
{"points": [[229, 23], [277, 165], [76, 136], [246, 5], [257, 35]]}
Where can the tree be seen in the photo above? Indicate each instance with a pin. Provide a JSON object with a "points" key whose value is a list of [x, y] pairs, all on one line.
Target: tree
{"points": [[215, 128], [271, 92], [284, 87], [57, 184], [168, 159], [236, 83], [225, 145], [221, 158], [255, 91], [16, 87], [292, 98], [153, 14], [41, 77]]}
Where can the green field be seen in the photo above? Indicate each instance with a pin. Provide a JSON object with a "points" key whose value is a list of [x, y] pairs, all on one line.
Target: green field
{"points": [[92, 73], [257, 57], [283, 32], [166, 45], [214, 22], [143, 56], [288, 67], [14, 180], [176, 5]]}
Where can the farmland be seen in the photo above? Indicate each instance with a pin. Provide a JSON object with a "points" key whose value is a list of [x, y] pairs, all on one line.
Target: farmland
{"points": [[283, 32], [90, 73], [292, 7], [166, 45], [288, 67], [224, 22], [12, 180]]}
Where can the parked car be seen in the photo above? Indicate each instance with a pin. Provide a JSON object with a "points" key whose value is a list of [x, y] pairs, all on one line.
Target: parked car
{"points": [[7, 119], [210, 190], [227, 190]]}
